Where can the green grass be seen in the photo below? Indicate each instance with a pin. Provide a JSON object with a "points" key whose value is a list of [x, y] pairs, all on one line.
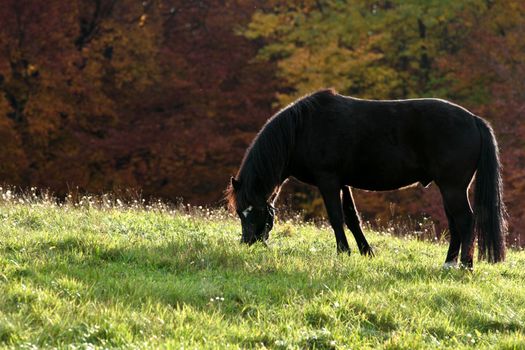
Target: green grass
{"points": [[82, 277]]}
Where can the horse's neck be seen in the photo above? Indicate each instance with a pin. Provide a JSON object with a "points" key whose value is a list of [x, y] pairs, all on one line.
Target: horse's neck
{"points": [[266, 198]]}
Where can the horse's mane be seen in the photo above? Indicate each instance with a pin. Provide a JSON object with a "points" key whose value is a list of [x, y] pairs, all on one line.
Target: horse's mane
{"points": [[263, 164]]}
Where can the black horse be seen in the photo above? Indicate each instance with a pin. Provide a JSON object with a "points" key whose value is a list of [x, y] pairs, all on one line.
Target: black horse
{"points": [[334, 142]]}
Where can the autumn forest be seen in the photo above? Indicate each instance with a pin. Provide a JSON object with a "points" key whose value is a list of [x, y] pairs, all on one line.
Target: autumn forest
{"points": [[164, 96]]}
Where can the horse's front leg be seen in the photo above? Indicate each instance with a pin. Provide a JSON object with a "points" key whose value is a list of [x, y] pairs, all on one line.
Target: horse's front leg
{"points": [[353, 222], [330, 190]]}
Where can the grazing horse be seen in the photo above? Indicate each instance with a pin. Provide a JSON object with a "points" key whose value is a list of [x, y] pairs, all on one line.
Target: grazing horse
{"points": [[336, 142]]}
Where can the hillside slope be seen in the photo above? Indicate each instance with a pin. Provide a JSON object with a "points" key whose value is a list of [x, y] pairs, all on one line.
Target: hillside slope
{"points": [[84, 277]]}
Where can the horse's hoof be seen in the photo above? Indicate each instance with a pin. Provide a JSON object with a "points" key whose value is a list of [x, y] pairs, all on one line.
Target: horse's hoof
{"points": [[450, 265], [469, 266], [343, 251], [368, 252]]}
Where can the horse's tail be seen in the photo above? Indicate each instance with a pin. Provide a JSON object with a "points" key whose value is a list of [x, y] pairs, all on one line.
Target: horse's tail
{"points": [[489, 210]]}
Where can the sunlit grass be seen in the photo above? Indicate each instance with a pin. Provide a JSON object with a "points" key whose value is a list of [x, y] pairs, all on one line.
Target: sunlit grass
{"points": [[104, 274]]}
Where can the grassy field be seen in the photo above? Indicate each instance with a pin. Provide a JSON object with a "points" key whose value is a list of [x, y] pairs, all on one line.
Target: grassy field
{"points": [[109, 277]]}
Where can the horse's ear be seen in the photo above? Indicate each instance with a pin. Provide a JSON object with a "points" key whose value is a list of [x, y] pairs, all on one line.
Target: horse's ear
{"points": [[235, 184]]}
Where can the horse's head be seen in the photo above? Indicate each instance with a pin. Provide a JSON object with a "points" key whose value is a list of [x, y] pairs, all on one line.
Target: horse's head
{"points": [[256, 220]]}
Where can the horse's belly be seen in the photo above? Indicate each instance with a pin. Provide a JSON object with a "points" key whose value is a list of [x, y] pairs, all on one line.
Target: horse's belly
{"points": [[382, 186], [383, 178]]}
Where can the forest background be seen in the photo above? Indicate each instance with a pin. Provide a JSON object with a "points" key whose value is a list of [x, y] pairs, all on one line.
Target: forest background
{"points": [[164, 96]]}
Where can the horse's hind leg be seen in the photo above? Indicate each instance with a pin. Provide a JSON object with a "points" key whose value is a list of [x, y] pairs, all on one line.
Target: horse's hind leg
{"points": [[455, 241], [458, 208], [353, 223], [332, 202]]}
